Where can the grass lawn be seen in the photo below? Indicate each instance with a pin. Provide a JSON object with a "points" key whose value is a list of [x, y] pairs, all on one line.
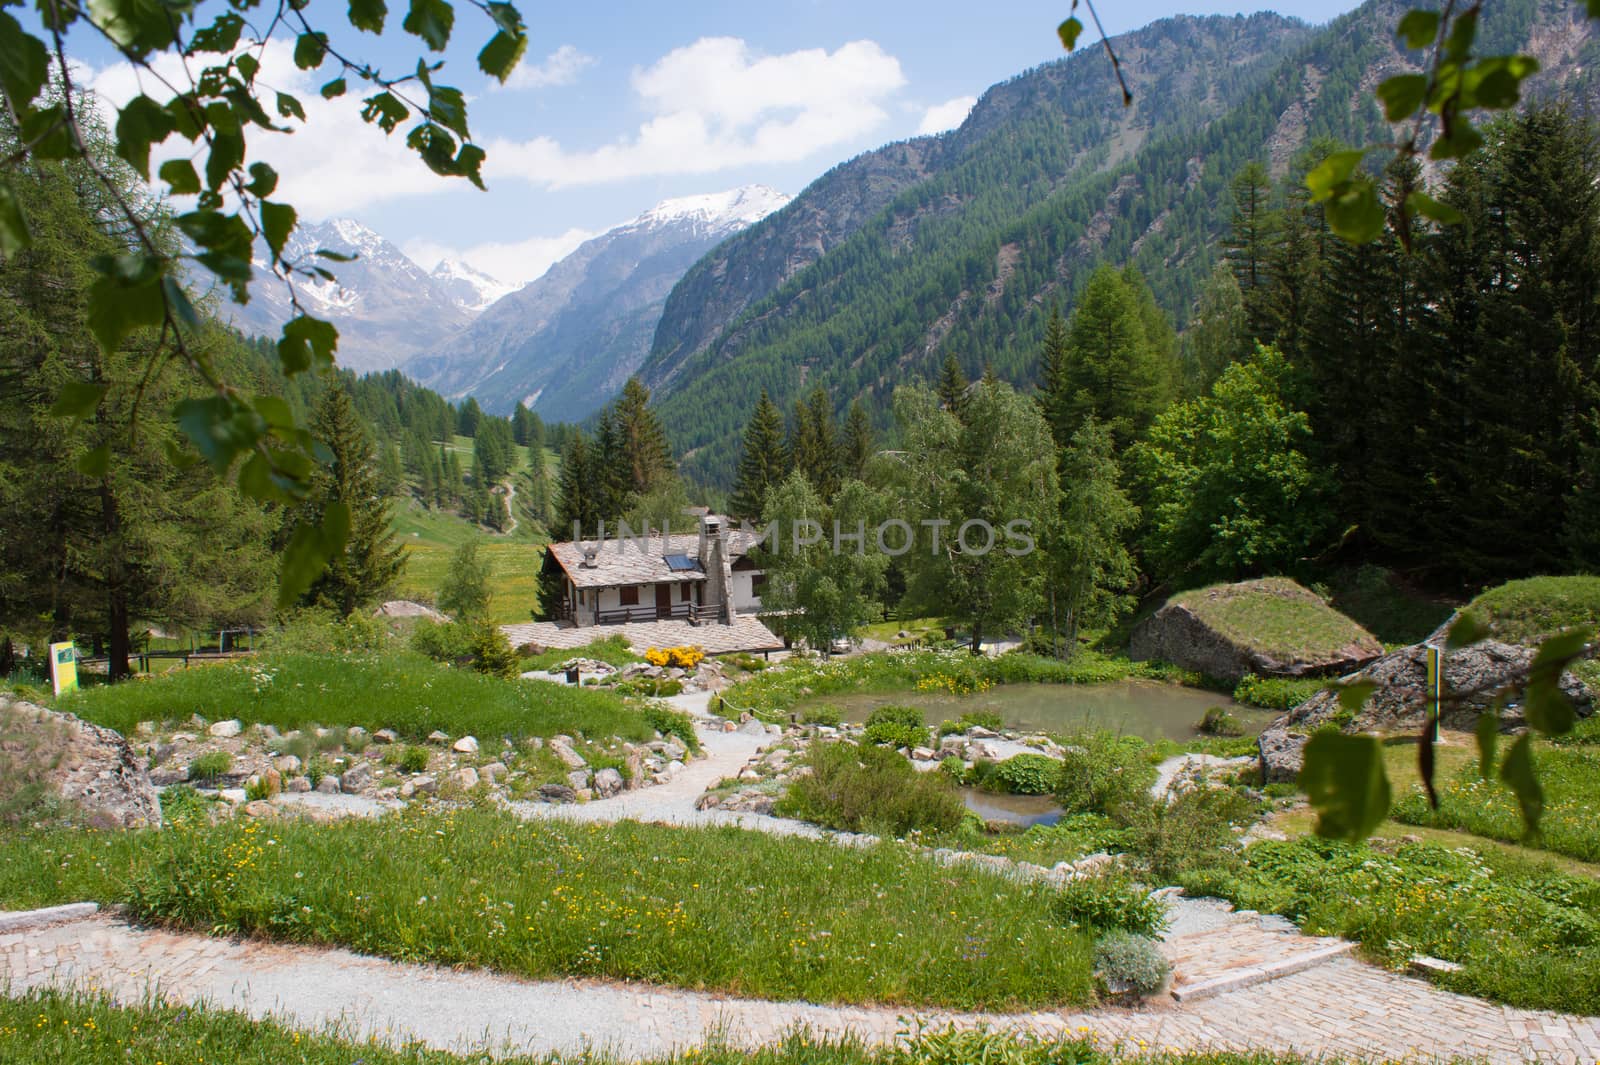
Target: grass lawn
{"points": [[50, 1028], [399, 690], [1524, 931], [1527, 611], [1274, 616], [725, 910]]}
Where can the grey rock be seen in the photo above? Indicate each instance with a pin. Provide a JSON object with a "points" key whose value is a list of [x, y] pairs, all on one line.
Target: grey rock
{"points": [[1177, 634], [557, 793], [466, 745], [753, 727], [328, 785], [298, 785], [1473, 675], [91, 768], [571, 758], [607, 782], [438, 737], [356, 778], [287, 764], [424, 784], [494, 772], [466, 778], [226, 730], [234, 796], [578, 778], [260, 809], [385, 736]]}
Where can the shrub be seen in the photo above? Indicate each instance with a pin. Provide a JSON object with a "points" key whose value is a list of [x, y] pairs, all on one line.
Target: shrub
{"points": [[1109, 902], [181, 803], [670, 722], [1195, 830], [685, 657], [413, 758], [442, 641], [1130, 964], [492, 653], [825, 716], [314, 631], [648, 687], [1216, 721], [1100, 773], [972, 719], [1275, 693], [210, 766], [896, 726], [331, 740], [871, 789], [1027, 774]]}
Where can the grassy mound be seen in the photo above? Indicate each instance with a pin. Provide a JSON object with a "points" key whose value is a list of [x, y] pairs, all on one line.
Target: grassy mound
{"points": [[397, 690], [1527, 611], [726, 910], [1273, 616]]}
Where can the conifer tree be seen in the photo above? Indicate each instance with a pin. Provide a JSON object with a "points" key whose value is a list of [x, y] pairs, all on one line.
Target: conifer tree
{"points": [[372, 557], [1113, 370], [645, 455], [952, 385], [763, 463], [814, 445], [859, 443], [1053, 383], [578, 503], [1248, 249]]}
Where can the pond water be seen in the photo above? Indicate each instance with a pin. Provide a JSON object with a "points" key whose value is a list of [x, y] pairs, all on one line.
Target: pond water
{"points": [[1143, 708], [1024, 810]]}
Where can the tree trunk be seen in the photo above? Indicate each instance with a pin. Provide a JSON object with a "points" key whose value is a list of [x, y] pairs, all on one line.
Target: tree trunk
{"points": [[977, 638], [117, 665]]}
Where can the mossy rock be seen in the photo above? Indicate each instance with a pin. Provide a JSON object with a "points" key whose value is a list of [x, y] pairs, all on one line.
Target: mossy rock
{"points": [[1525, 612], [1271, 627]]}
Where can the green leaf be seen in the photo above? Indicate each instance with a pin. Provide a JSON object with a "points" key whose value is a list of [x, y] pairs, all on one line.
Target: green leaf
{"points": [[507, 17], [1488, 732], [309, 551], [368, 15], [1354, 695], [306, 342], [289, 107], [14, 235], [221, 428], [227, 154], [95, 462], [1355, 213], [274, 411], [334, 88], [1402, 95], [1345, 780], [385, 109], [1518, 774], [430, 20], [263, 180], [502, 54], [1466, 630], [449, 108], [277, 222], [139, 27], [141, 123], [178, 300], [117, 309], [247, 66], [1462, 140], [24, 63], [1069, 31], [309, 50], [77, 400], [221, 36], [1333, 172], [1418, 28]]}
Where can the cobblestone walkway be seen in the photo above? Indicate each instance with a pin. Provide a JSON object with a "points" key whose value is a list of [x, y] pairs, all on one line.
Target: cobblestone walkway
{"points": [[1340, 1007]]}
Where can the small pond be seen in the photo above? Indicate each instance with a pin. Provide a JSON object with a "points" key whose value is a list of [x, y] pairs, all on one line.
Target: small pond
{"points": [[1149, 709], [1024, 810]]}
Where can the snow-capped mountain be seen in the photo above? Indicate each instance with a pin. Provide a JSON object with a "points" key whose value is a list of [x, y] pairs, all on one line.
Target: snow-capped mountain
{"points": [[566, 342], [472, 290], [386, 307]]}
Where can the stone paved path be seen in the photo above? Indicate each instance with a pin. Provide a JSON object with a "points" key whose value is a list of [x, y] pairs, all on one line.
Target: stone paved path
{"points": [[1342, 1007]]}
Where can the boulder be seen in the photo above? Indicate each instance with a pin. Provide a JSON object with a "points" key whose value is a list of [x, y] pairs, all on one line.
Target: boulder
{"points": [[466, 778], [355, 778], [260, 809], [1473, 675], [1220, 631], [493, 773], [578, 778], [328, 785], [557, 793], [90, 768], [753, 727], [465, 745], [287, 763], [607, 783], [438, 737], [569, 757], [226, 730], [234, 796], [298, 785], [385, 736]]}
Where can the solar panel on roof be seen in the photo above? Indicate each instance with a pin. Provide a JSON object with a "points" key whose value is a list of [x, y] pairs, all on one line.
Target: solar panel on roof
{"points": [[679, 563]]}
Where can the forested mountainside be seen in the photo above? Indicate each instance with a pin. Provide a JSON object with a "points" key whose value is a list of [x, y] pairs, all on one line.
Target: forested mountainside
{"points": [[566, 342], [1049, 177]]}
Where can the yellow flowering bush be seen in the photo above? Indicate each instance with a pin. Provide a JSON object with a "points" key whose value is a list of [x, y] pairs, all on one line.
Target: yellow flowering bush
{"points": [[685, 657]]}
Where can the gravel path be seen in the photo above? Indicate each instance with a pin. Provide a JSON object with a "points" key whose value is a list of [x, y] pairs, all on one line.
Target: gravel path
{"points": [[1342, 1007]]}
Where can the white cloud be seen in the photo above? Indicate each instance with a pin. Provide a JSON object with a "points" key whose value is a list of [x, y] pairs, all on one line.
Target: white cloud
{"points": [[947, 115], [717, 104], [560, 67], [332, 164], [517, 262]]}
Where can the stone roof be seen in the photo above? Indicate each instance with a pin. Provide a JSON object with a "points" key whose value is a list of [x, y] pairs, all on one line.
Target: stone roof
{"points": [[618, 563], [747, 633]]}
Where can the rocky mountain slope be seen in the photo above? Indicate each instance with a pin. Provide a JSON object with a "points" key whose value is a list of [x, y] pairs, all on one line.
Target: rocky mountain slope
{"points": [[962, 243], [566, 342], [387, 308]]}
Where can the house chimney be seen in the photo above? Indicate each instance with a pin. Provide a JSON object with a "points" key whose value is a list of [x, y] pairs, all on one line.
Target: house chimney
{"points": [[714, 561]]}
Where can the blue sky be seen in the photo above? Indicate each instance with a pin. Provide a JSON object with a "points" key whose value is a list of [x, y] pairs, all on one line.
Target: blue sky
{"points": [[619, 106]]}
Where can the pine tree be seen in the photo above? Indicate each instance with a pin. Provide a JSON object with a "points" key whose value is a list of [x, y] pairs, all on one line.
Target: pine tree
{"points": [[1248, 249], [1218, 333], [952, 385], [372, 557], [1054, 390], [645, 456], [468, 417], [859, 443], [814, 445], [578, 506], [1113, 371], [763, 463]]}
